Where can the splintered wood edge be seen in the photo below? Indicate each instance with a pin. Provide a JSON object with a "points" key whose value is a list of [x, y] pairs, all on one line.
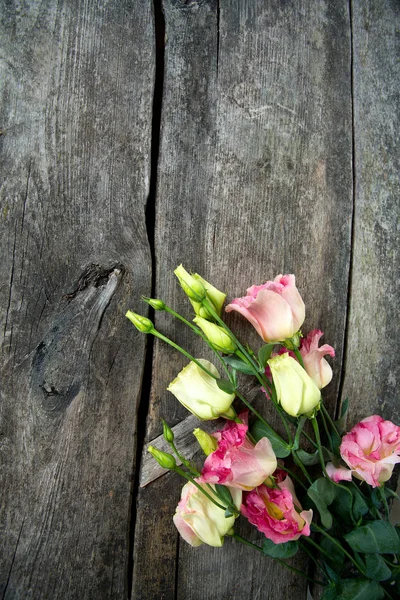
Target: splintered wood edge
{"points": [[185, 442]]}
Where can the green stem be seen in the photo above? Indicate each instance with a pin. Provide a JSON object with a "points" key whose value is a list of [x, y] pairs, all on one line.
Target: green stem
{"points": [[220, 322], [198, 332], [309, 438], [322, 461], [199, 487], [329, 418], [265, 383], [339, 545], [294, 476], [299, 357], [384, 500], [317, 546], [393, 565], [327, 431], [299, 429], [310, 555], [263, 421], [301, 466], [281, 562], [249, 361], [182, 351], [230, 504], [184, 461]]}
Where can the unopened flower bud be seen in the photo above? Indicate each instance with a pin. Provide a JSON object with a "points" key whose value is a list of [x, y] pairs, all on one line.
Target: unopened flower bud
{"points": [[168, 433], [192, 287], [198, 391], [293, 343], [207, 442], [141, 323], [165, 460], [216, 335], [155, 303], [214, 296]]}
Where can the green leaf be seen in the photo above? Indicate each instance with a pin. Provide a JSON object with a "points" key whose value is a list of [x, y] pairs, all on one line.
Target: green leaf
{"points": [[330, 593], [259, 431], [391, 493], [312, 459], [224, 493], [336, 555], [322, 492], [341, 422], [359, 589], [238, 364], [375, 537], [331, 573], [286, 550], [225, 386], [349, 506], [377, 568], [264, 354], [336, 441]]}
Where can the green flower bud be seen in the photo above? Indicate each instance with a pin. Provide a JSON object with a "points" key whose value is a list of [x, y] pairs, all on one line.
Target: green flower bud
{"points": [[155, 303], [141, 323], [293, 343], [216, 297], [165, 460], [216, 335], [193, 288], [168, 433], [207, 442]]}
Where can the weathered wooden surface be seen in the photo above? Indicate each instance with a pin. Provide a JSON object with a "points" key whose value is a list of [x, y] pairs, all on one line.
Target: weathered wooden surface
{"points": [[278, 153], [255, 169], [76, 84], [372, 369]]}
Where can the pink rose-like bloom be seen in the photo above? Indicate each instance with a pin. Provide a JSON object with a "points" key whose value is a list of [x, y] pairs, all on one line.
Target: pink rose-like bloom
{"points": [[316, 366], [237, 462], [338, 473], [273, 512], [275, 309], [371, 449]]}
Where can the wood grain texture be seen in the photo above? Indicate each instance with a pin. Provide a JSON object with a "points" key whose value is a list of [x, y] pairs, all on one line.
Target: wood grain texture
{"points": [[76, 84], [255, 178], [372, 366]]}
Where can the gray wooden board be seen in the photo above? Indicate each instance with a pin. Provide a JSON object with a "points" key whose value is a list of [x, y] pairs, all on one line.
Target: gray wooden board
{"points": [[372, 364], [255, 179], [76, 81]]}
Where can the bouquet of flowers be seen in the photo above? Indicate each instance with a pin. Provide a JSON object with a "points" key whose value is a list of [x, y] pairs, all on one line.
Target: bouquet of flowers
{"points": [[331, 499]]}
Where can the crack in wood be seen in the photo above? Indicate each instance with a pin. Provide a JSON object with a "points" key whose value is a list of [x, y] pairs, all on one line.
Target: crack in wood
{"points": [[12, 561], [150, 214]]}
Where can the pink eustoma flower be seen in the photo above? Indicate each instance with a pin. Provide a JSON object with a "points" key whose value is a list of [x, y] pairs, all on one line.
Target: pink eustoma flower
{"points": [[237, 462], [313, 357], [273, 512], [371, 449], [338, 473], [275, 309]]}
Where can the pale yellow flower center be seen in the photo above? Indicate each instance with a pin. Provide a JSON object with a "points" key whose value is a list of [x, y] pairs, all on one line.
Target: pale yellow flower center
{"points": [[273, 510]]}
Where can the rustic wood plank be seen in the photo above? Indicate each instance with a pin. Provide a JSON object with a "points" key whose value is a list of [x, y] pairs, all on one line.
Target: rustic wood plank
{"points": [[255, 179], [372, 366], [76, 83]]}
